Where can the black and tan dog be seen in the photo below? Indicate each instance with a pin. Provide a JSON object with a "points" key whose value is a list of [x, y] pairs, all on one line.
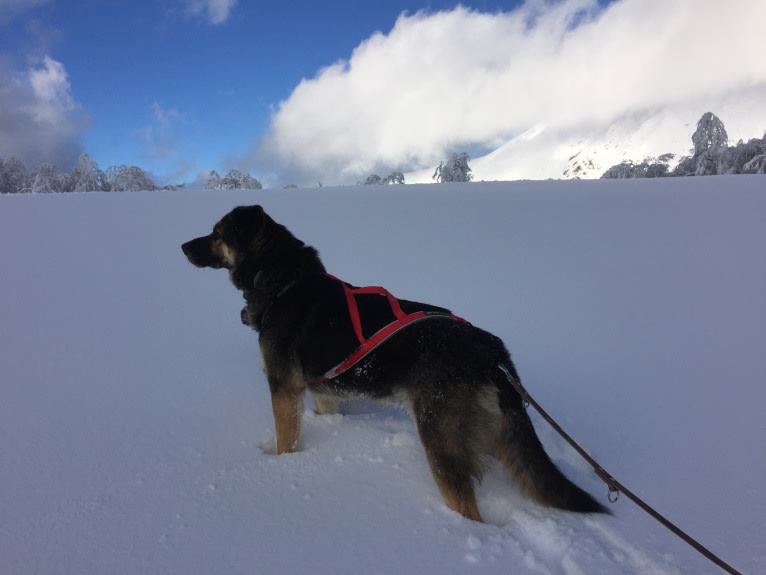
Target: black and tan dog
{"points": [[452, 376]]}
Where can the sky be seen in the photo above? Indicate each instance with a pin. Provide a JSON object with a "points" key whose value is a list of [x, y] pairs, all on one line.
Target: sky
{"points": [[295, 94]]}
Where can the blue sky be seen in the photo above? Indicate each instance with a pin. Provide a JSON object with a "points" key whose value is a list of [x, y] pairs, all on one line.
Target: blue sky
{"points": [[170, 89], [296, 91]]}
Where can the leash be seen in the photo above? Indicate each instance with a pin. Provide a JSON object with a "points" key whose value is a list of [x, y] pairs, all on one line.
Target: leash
{"points": [[615, 487]]}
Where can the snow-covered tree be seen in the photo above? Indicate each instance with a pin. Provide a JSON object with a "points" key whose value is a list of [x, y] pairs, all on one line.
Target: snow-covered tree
{"points": [[46, 179], [376, 180], [213, 181], [394, 178], [87, 177], [710, 141], [649, 168], [250, 183], [128, 179], [13, 176], [735, 159], [456, 169], [755, 166], [233, 180], [710, 135]]}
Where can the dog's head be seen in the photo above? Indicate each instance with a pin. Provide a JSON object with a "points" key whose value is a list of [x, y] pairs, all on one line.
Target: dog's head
{"points": [[249, 244], [237, 239], [232, 237]]}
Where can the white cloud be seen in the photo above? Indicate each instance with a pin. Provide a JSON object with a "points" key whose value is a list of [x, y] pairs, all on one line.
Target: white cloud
{"points": [[52, 98], [456, 79], [214, 11], [39, 119]]}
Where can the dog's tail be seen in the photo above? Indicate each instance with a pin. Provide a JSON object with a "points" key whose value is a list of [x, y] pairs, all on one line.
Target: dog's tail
{"points": [[525, 459]]}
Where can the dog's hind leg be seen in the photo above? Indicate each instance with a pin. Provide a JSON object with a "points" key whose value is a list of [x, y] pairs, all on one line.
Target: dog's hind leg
{"points": [[452, 463], [323, 404]]}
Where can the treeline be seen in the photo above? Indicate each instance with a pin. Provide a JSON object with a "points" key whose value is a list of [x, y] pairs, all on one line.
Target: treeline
{"points": [[85, 177], [455, 169], [711, 156], [233, 180]]}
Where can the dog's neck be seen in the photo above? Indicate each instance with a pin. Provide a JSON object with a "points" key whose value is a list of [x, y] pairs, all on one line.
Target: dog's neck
{"points": [[262, 283]]}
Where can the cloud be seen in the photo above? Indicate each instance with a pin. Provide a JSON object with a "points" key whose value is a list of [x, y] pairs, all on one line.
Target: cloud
{"points": [[9, 9], [461, 79], [39, 119], [162, 145], [161, 137], [214, 11]]}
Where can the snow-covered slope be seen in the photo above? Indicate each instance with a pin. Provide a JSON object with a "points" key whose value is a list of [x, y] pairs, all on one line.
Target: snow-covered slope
{"points": [[135, 428], [588, 150]]}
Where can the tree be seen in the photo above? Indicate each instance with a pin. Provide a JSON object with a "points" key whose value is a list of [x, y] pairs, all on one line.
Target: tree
{"points": [[456, 169], [394, 178], [87, 177], [128, 179], [737, 159], [709, 135], [13, 176], [649, 168], [710, 141], [46, 179], [233, 180], [250, 183], [213, 181], [376, 180], [756, 166], [621, 171]]}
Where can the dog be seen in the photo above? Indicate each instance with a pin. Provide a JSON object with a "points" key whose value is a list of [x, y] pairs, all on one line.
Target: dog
{"points": [[453, 377]]}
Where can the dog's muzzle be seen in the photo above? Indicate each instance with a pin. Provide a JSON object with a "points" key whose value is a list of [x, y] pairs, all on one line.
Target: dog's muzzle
{"points": [[198, 251]]}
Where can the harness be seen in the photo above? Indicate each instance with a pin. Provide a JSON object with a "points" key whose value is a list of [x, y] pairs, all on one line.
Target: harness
{"points": [[369, 344]]}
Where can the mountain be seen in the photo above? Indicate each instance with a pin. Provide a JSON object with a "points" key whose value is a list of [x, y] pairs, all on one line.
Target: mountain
{"points": [[588, 150]]}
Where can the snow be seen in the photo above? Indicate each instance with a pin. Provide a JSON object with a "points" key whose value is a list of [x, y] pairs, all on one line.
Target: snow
{"points": [[588, 149], [135, 427]]}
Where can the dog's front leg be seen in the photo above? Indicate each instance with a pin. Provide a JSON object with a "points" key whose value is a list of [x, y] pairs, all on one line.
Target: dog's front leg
{"points": [[287, 406], [287, 387]]}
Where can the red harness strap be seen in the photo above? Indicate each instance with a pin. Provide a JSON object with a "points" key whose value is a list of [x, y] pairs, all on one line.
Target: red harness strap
{"points": [[366, 345]]}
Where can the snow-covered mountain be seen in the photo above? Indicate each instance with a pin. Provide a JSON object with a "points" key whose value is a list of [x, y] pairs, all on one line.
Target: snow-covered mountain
{"points": [[588, 150]]}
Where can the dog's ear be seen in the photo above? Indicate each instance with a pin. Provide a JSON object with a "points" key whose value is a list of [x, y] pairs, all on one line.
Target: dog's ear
{"points": [[246, 221]]}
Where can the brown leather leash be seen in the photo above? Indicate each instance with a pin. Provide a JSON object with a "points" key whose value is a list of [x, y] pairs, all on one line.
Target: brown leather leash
{"points": [[615, 487]]}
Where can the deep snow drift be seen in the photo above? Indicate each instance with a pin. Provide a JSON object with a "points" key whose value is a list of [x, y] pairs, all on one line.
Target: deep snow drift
{"points": [[136, 432]]}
